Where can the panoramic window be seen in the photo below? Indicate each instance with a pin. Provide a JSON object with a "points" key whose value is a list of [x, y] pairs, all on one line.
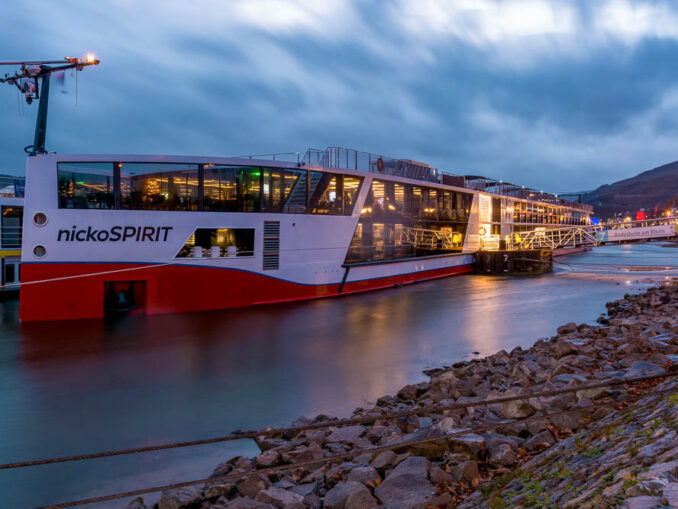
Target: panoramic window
{"points": [[154, 186], [404, 221], [205, 187], [296, 191], [219, 243], [231, 188], [85, 185], [274, 189], [333, 193]]}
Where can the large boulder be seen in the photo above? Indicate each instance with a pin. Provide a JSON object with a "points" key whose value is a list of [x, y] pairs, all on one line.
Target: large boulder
{"points": [[268, 458], [540, 441], [431, 449], [347, 434], [517, 409], [250, 486], [563, 348], [644, 368], [337, 497], [471, 443], [466, 471], [364, 475], [503, 456], [280, 498], [384, 459], [360, 499], [407, 487], [439, 476], [180, 498], [568, 328], [415, 465], [303, 453]]}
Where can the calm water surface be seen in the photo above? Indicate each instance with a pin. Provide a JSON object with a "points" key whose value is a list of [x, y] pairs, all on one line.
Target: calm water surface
{"points": [[79, 387]]}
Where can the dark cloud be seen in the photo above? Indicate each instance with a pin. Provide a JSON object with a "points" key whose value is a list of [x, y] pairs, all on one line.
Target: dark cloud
{"points": [[585, 102]]}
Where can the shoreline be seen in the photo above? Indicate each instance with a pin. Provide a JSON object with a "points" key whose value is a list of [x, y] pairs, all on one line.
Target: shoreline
{"points": [[638, 336]]}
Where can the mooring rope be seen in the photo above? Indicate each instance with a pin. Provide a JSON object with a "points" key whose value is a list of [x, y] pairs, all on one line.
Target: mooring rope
{"points": [[344, 456], [336, 423]]}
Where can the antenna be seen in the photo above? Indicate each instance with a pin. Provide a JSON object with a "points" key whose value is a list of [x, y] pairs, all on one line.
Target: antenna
{"points": [[32, 80]]}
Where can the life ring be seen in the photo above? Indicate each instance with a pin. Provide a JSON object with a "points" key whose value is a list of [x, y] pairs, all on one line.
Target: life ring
{"points": [[380, 165]]}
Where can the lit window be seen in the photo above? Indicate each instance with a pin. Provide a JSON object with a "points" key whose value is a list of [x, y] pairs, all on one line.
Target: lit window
{"points": [[219, 243]]}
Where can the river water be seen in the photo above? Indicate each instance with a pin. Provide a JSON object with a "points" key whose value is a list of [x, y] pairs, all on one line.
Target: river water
{"points": [[89, 386]]}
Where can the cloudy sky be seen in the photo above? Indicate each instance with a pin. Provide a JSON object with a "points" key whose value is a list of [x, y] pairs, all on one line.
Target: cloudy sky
{"points": [[558, 95]]}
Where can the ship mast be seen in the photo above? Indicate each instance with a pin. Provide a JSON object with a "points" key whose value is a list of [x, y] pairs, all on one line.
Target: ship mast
{"points": [[32, 80]]}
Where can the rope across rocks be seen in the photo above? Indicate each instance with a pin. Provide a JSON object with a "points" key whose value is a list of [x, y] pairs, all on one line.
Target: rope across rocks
{"points": [[335, 423], [349, 455]]}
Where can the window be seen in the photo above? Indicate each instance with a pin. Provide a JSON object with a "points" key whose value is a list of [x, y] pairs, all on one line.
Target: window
{"points": [[403, 221], [273, 190], [231, 188], [219, 243], [351, 188], [11, 273], [296, 191], [324, 198], [11, 226], [153, 186], [85, 185], [281, 186], [205, 187]]}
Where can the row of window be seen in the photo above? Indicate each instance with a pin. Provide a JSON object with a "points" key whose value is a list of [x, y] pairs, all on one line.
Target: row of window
{"points": [[539, 214], [405, 221], [216, 188]]}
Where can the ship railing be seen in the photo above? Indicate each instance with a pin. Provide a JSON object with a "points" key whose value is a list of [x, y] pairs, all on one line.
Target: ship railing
{"points": [[657, 221], [554, 238], [289, 157], [430, 239], [489, 243], [501, 188], [573, 236], [359, 160]]}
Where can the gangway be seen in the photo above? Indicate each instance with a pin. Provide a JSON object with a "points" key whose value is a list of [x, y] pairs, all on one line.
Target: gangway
{"points": [[593, 235], [430, 239]]}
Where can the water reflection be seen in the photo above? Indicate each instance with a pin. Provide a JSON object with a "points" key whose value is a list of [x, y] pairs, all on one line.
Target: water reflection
{"points": [[95, 385]]}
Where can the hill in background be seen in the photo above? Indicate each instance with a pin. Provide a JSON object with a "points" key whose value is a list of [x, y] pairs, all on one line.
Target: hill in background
{"points": [[653, 188]]}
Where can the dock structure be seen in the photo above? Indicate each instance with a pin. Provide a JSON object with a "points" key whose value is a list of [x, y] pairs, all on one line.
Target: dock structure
{"points": [[594, 235], [531, 252]]}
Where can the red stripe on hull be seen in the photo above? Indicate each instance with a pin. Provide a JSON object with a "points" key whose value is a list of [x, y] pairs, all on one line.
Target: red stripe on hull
{"points": [[176, 288]]}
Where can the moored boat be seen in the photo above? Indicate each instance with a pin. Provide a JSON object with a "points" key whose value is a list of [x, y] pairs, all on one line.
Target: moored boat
{"points": [[161, 234]]}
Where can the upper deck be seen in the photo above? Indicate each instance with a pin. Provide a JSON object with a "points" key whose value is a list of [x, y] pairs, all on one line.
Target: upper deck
{"points": [[194, 182], [358, 160]]}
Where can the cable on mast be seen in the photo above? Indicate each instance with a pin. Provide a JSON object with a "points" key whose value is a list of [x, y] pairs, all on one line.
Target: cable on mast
{"points": [[32, 80]]}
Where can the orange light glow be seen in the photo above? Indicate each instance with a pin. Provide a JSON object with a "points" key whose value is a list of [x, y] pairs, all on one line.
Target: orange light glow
{"points": [[89, 58]]}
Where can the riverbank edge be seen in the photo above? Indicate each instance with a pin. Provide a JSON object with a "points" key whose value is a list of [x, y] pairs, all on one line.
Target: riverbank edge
{"points": [[638, 336]]}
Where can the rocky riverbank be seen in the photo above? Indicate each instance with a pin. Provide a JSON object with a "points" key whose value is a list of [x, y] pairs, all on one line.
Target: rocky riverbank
{"points": [[604, 448]]}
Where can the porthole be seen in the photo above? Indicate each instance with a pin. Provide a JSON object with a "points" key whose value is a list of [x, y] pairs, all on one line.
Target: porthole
{"points": [[39, 219], [39, 251]]}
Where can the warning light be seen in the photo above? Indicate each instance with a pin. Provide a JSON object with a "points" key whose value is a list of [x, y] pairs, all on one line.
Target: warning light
{"points": [[90, 58]]}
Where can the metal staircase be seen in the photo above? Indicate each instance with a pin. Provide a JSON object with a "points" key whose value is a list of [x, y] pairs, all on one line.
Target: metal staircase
{"points": [[431, 239]]}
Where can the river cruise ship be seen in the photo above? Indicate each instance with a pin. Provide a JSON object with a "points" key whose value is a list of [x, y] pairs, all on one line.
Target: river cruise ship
{"points": [[107, 234]]}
